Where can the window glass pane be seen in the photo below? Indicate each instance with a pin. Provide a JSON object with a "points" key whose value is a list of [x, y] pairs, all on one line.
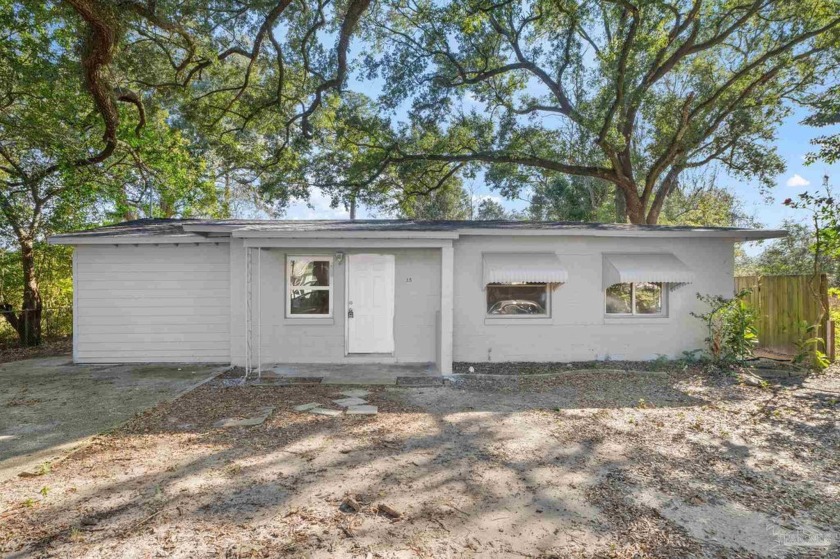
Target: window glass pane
{"points": [[310, 301], [517, 299], [619, 299], [648, 298], [305, 271]]}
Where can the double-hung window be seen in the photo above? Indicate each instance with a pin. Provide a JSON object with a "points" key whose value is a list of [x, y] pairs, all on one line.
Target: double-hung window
{"points": [[506, 300], [636, 299], [309, 286]]}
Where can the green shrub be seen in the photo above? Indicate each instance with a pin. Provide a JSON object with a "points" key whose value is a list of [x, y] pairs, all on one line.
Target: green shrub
{"points": [[810, 348], [730, 324]]}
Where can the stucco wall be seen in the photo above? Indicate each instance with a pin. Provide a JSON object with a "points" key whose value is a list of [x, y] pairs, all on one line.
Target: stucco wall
{"points": [[151, 303], [307, 340], [578, 328], [187, 303]]}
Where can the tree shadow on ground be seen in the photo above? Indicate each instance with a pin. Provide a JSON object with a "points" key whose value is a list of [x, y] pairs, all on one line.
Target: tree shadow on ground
{"points": [[511, 472]]}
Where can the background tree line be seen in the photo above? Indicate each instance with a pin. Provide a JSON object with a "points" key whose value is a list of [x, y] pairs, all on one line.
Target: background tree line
{"points": [[598, 110]]}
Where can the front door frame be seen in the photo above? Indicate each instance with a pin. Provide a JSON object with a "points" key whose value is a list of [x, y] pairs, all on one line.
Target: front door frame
{"points": [[347, 273]]}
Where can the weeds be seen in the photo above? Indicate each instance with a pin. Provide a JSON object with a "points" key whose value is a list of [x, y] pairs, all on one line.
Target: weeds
{"points": [[730, 324], [810, 348]]}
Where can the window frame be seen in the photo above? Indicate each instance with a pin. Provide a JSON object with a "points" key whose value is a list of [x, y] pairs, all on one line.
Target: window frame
{"points": [[546, 286], [289, 287], [663, 302]]}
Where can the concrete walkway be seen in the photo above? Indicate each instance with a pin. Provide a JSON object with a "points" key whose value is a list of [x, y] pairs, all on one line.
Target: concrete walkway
{"points": [[50, 406], [351, 373]]}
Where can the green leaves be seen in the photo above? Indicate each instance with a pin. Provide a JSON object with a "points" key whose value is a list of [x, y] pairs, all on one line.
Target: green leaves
{"points": [[730, 324], [826, 107], [632, 94]]}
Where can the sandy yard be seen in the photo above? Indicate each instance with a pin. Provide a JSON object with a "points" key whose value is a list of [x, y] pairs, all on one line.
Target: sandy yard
{"points": [[50, 406], [589, 464]]}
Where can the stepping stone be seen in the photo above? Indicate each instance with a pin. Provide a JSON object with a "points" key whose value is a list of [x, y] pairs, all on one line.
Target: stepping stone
{"points": [[355, 393], [778, 373], [362, 410], [307, 407], [347, 402], [325, 411], [247, 422]]}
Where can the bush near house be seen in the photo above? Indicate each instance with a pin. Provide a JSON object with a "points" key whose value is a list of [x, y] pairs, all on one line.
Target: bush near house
{"points": [[731, 327]]}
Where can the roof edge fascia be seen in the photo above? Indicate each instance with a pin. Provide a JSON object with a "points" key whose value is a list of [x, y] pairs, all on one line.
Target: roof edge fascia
{"points": [[735, 235], [134, 240], [263, 234]]}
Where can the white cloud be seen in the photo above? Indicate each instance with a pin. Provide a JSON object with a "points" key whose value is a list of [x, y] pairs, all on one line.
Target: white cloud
{"points": [[318, 207], [797, 180], [478, 198]]}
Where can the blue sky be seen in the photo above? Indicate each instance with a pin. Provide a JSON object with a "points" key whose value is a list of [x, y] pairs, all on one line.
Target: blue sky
{"points": [[793, 142]]}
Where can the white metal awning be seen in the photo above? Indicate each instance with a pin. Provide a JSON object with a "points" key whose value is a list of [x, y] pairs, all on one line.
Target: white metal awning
{"points": [[522, 267], [662, 267]]}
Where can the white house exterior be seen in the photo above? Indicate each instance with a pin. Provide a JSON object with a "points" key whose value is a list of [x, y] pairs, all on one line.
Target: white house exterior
{"points": [[254, 293]]}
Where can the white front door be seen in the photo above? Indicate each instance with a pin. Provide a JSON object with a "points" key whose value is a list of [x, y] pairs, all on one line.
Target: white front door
{"points": [[370, 303]]}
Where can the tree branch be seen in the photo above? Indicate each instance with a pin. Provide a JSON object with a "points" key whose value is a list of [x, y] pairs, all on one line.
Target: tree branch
{"points": [[497, 157], [99, 46], [128, 96], [351, 19]]}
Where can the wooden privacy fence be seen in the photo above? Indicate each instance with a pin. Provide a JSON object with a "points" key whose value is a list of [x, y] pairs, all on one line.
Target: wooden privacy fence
{"points": [[785, 305]]}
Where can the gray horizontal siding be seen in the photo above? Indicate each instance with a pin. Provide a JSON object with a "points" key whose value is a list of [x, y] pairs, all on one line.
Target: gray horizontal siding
{"points": [[152, 303]]}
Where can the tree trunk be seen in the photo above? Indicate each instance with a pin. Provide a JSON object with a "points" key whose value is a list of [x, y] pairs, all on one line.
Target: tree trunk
{"points": [[227, 197], [620, 206], [634, 208], [29, 322], [665, 188]]}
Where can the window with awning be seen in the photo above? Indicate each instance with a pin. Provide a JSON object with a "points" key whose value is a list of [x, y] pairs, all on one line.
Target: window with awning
{"points": [[523, 267], [518, 284], [636, 284], [645, 268]]}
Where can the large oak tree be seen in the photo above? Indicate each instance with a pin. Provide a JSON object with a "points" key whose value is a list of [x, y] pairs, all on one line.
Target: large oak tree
{"points": [[654, 88], [103, 101]]}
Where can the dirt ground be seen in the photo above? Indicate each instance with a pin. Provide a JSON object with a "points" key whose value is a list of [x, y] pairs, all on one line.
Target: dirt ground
{"points": [[589, 464], [49, 348], [49, 405]]}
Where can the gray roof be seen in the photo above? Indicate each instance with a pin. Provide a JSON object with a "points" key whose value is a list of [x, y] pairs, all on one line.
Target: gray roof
{"points": [[175, 226], [145, 228]]}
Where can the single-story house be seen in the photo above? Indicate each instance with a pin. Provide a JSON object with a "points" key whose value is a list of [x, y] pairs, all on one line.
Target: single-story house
{"points": [[259, 292]]}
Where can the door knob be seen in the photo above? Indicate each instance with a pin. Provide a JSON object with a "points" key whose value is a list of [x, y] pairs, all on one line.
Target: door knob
{"points": [[349, 313]]}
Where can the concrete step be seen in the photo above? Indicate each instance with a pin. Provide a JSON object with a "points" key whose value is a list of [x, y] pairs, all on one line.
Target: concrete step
{"points": [[420, 382], [286, 381]]}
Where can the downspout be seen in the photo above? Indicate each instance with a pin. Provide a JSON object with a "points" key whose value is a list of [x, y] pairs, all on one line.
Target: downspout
{"points": [[248, 319], [259, 313]]}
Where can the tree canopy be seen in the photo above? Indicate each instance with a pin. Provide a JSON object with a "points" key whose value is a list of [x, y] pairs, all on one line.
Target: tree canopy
{"points": [[652, 89], [826, 113], [587, 109], [130, 108]]}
